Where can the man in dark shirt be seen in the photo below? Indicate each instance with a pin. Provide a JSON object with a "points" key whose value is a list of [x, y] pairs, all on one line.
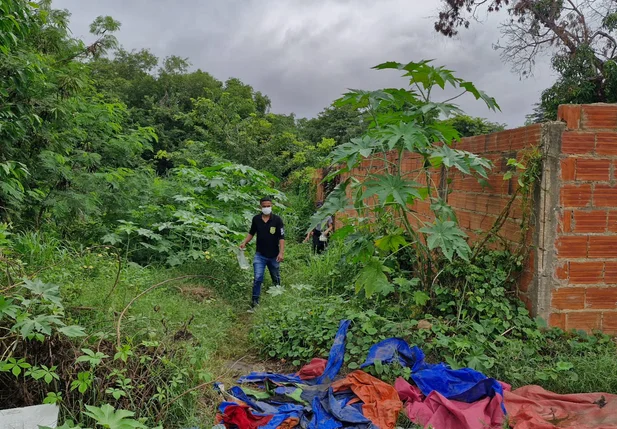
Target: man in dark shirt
{"points": [[270, 246]]}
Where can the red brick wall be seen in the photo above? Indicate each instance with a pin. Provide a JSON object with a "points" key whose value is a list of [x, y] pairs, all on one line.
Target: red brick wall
{"points": [[584, 292]]}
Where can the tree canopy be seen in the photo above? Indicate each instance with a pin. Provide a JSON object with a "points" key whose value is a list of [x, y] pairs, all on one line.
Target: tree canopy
{"points": [[579, 35]]}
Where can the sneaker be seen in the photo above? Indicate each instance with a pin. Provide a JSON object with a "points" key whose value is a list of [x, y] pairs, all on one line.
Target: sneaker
{"points": [[250, 310]]}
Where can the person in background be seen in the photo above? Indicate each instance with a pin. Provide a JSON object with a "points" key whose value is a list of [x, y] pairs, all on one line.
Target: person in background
{"points": [[270, 247], [320, 233]]}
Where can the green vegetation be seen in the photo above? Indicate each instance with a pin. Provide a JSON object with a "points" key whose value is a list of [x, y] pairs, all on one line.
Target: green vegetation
{"points": [[126, 182]]}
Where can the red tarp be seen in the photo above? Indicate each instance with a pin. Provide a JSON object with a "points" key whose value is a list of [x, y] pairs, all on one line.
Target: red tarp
{"points": [[532, 407], [313, 369], [438, 412]]}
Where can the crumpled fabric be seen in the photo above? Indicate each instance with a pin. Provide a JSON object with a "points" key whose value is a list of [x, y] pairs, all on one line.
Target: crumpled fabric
{"points": [[387, 351], [532, 407], [240, 417], [285, 415], [259, 377], [322, 419], [346, 407], [337, 354], [313, 369], [465, 384], [381, 403], [261, 407], [438, 412]]}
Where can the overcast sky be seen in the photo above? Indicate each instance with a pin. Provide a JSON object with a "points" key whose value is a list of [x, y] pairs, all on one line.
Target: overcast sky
{"points": [[305, 53]]}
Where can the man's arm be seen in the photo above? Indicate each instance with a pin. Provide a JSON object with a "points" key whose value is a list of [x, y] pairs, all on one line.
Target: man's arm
{"points": [[250, 235], [281, 255], [246, 241], [330, 226], [309, 235]]}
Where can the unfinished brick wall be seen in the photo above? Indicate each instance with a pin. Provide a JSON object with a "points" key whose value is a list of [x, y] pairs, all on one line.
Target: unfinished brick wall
{"points": [[570, 279], [584, 289], [477, 206]]}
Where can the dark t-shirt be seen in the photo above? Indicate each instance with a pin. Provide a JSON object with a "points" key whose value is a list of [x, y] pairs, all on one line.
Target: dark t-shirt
{"points": [[268, 234]]}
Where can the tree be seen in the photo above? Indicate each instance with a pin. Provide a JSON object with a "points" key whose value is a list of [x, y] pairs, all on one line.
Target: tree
{"points": [[580, 35], [467, 126], [341, 123]]}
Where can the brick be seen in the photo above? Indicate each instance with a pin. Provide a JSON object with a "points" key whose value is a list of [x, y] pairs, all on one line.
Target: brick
{"points": [[610, 272], [578, 142], [568, 298], [589, 221], [561, 271], [572, 247], [502, 143], [611, 223], [602, 247], [557, 320], [575, 196], [568, 169], [599, 116], [609, 322], [585, 320], [570, 114], [604, 196], [586, 272], [597, 170], [564, 223], [606, 144], [601, 298]]}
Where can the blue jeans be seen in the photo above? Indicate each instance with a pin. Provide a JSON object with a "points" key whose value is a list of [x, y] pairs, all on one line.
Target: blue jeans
{"points": [[260, 263]]}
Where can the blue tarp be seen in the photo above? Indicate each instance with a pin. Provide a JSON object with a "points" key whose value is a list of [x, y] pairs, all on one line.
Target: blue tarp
{"points": [[322, 419], [283, 413], [337, 354], [465, 384], [259, 377], [387, 351], [342, 411]]}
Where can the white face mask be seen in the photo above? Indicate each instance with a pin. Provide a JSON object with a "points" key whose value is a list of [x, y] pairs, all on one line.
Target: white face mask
{"points": [[266, 210]]}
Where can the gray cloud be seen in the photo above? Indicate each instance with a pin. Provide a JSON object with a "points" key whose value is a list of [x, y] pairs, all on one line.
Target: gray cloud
{"points": [[303, 55]]}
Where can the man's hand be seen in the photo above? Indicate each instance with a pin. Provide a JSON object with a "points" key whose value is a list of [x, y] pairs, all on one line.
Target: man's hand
{"points": [[280, 257], [243, 245]]}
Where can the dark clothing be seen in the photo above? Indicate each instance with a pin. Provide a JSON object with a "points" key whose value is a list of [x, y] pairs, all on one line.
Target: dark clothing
{"points": [[268, 234], [260, 262], [318, 245]]}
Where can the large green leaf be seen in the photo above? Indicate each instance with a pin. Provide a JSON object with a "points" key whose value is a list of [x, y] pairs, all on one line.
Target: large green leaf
{"points": [[110, 418], [351, 153], [411, 136], [372, 278], [390, 243], [392, 189], [491, 103], [464, 161], [47, 291], [447, 236]]}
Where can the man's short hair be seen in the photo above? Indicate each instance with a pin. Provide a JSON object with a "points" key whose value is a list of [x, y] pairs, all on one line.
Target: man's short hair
{"points": [[264, 199]]}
